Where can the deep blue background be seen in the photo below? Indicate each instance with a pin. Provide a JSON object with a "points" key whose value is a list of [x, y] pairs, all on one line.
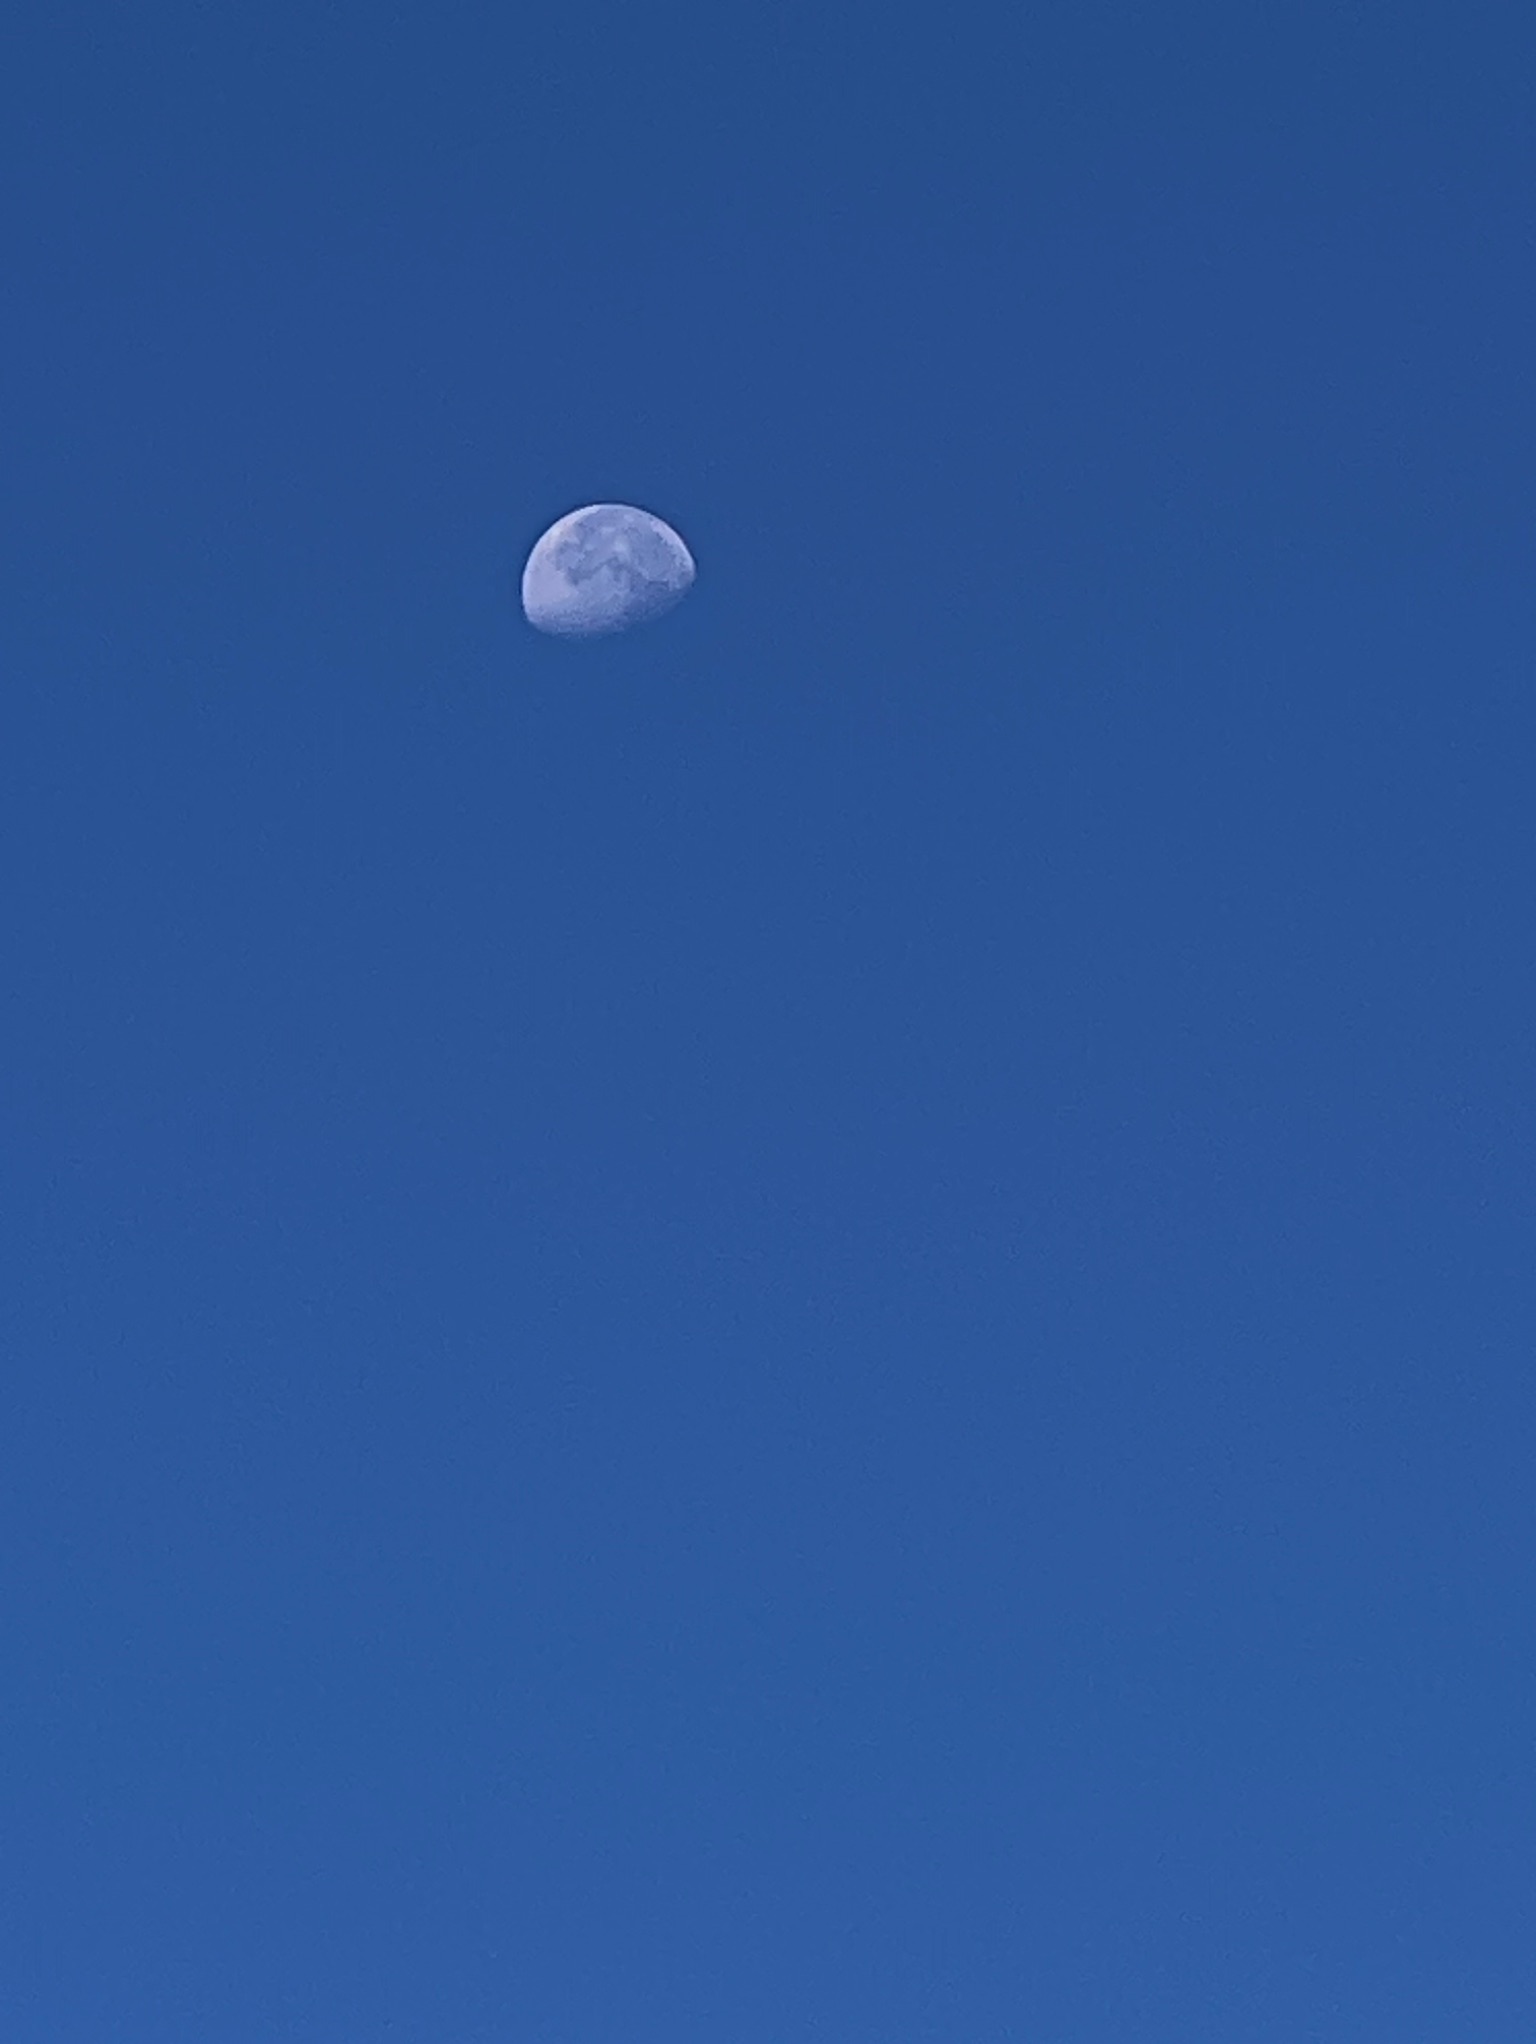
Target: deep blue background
{"points": [[818, 1325]]}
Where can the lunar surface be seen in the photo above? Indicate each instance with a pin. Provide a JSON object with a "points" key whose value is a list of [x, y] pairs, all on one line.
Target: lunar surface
{"points": [[603, 569]]}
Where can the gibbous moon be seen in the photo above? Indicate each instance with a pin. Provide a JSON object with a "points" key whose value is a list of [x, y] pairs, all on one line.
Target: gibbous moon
{"points": [[603, 569]]}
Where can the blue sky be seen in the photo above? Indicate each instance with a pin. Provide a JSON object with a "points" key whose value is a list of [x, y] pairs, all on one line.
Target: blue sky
{"points": [[816, 1324]]}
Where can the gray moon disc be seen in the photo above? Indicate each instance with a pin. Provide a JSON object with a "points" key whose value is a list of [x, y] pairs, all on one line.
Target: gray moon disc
{"points": [[603, 569]]}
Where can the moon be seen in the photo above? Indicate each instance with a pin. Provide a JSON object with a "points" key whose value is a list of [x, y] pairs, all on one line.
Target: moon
{"points": [[602, 569]]}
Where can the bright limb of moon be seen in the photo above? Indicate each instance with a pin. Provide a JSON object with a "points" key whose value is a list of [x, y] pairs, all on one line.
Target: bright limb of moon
{"points": [[602, 569]]}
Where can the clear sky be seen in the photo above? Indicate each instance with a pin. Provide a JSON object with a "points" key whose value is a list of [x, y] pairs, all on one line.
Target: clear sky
{"points": [[817, 1324]]}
